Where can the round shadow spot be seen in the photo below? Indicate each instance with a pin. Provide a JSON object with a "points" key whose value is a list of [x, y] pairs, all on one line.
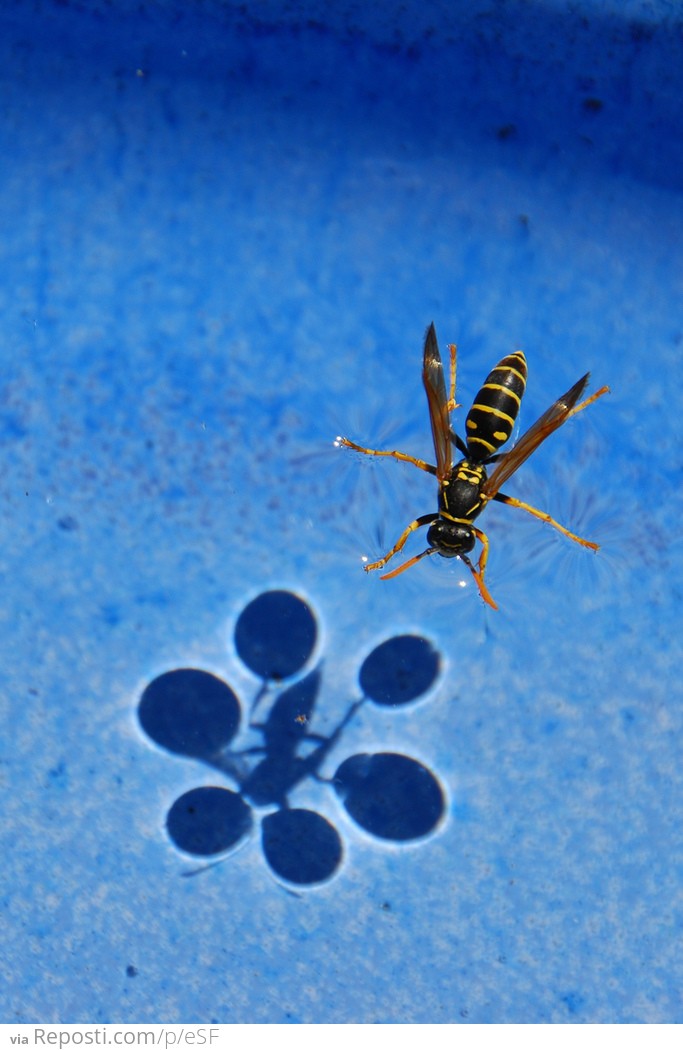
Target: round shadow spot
{"points": [[399, 670], [301, 846], [208, 820], [189, 712], [391, 796], [275, 635]]}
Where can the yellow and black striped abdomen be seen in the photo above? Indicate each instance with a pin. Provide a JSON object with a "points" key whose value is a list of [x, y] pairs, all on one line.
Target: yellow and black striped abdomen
{"points": [[491, 419]]}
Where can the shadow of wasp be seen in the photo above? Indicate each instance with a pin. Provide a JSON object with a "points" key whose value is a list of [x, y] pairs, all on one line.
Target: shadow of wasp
{"points": [[465, 488]]}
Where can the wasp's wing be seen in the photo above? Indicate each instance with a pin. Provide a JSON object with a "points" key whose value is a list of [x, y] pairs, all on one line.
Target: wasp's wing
{"points": [[437, 399], [553, 418]]}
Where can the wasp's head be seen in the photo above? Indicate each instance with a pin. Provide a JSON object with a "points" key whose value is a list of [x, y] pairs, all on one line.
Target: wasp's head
{"points": [[450, 539]]}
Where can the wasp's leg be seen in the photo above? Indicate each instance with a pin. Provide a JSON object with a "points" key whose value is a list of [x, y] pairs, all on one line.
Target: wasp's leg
{"points": [[407, 564], [478, 573], [589, 401], [403, 457], [484, 556], [452, 403], [426, 519], [546, 517]]}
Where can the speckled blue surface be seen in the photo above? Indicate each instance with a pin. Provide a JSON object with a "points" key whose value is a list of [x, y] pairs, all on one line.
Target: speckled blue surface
{"points": [[223, 237]]}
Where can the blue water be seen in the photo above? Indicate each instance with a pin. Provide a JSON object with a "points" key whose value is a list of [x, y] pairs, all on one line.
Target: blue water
{"points": [[243, 780]]}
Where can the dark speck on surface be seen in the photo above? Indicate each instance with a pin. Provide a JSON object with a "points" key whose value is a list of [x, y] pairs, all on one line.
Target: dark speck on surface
{"points": [[506, 131], [68, 523]]}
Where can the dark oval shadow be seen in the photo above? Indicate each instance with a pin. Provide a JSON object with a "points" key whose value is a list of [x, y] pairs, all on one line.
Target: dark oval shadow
{"points": [[275, 635], [399, 670], [391, 796], [301, 846], [189, 712], [208, 820]]}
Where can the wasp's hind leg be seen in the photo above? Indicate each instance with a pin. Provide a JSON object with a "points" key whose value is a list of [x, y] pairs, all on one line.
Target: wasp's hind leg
{"points": [[452, 404], [589, 401]]}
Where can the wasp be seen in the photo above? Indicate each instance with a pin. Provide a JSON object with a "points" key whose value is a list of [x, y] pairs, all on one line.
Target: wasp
{"points": [[466, 487]]}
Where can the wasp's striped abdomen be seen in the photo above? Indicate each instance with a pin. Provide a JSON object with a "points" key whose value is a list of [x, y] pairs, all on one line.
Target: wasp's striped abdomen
{"points": [[491, 419]]}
